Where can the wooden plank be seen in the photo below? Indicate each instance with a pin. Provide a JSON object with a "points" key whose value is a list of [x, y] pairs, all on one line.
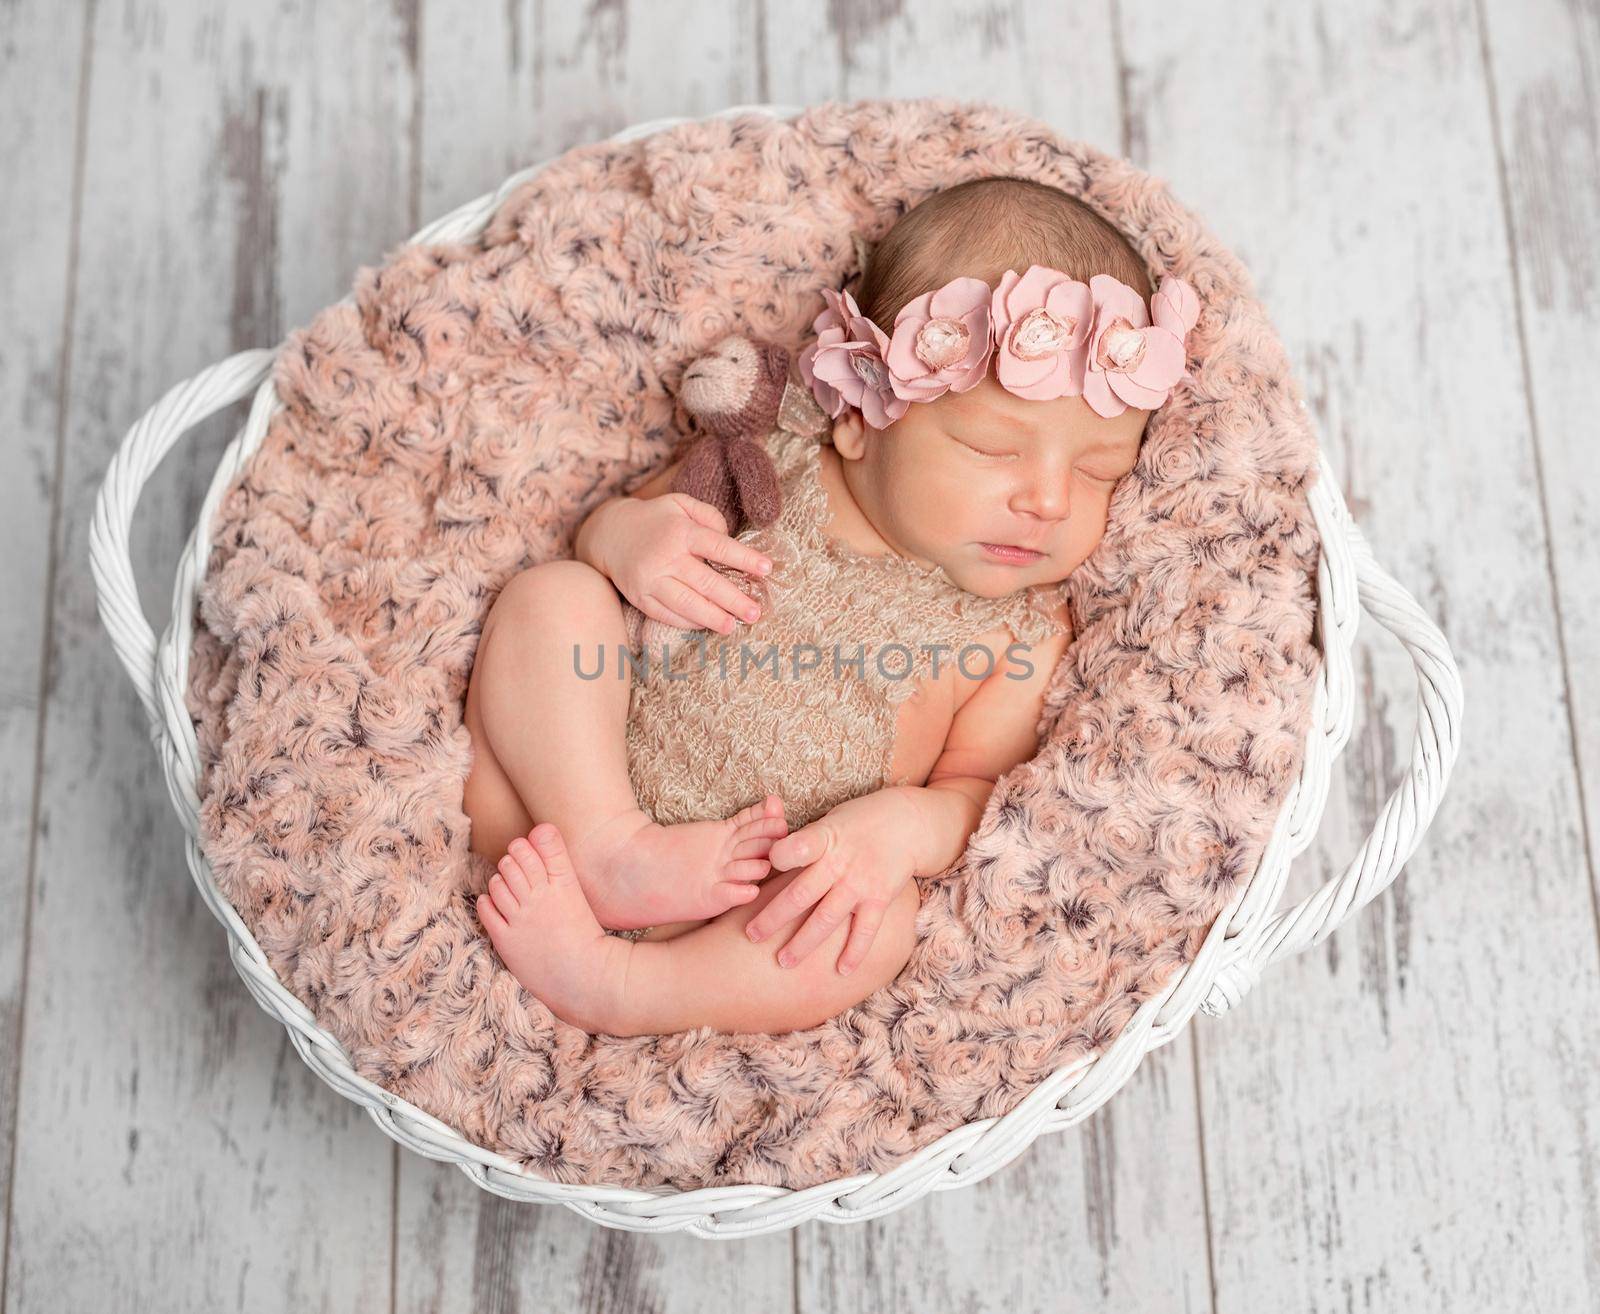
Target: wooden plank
{"points": [[41, 62], [1403, 1119], [1096, 1217], [1112, 1213], [1042, 59], [173, 1152], [1543, 71], [501, 91], [530, 80], [1447, 1182], [462, 1248]]}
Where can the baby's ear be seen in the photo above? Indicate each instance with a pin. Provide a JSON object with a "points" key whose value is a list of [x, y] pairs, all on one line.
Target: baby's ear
{"points": [[848, 434]]}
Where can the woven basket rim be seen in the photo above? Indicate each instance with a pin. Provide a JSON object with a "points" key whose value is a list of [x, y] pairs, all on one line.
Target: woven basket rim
{"points": [[1244, 937]]}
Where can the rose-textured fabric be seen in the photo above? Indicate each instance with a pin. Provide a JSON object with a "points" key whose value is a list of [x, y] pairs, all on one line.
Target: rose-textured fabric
{"points": [[457, 421]]}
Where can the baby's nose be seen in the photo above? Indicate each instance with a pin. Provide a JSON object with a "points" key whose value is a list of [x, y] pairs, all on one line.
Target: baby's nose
{"points": [[1047, 501]]}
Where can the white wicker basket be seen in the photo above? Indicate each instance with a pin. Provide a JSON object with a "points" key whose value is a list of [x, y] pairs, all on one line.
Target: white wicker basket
{"points": [[1247, 936]]}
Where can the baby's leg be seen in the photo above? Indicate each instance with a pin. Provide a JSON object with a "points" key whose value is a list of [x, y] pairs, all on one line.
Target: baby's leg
{"points": [[550, 745], [710, 976]]}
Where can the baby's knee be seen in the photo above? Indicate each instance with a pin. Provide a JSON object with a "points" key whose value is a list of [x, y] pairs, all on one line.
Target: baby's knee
{"points": [[553, 605], [540, 589]]}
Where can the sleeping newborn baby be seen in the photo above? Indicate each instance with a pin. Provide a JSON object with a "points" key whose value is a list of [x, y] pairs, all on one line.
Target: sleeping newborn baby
{"points": [[729, 834]]}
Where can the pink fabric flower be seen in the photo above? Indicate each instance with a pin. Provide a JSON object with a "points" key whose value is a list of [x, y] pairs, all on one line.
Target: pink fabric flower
{"points": [[1041, 331], [1175, 307], [829, 326], [842, 309], [941, 341], [1050, 336], [1132, 362], [848, 361], [827, 397]]}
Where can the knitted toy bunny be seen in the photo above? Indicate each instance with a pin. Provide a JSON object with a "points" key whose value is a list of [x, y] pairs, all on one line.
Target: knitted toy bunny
{"points": [[733, 393]]}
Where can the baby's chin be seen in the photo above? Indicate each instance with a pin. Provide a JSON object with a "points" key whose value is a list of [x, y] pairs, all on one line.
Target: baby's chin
{"points": [[999, 580]]}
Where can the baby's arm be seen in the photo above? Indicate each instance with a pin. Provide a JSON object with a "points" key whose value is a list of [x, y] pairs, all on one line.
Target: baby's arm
{"points": [[991, 733], [594, 526]]}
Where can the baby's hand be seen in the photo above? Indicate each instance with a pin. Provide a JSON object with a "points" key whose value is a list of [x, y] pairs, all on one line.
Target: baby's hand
{"points": [[859, 856], [657, 554]]}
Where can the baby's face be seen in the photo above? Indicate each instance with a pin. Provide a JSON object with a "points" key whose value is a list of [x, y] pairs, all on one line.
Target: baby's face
{"points": [[955, 481]]}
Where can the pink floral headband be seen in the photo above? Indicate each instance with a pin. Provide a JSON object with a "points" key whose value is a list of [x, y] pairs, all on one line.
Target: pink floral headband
{"points": [[1051, 336]]}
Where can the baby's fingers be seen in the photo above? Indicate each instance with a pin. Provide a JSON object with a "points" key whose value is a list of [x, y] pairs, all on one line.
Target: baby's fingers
{"points": [[807, 845], [819, 926], [701, 512], [719, 590], [795, 897], [863, 930], [682, 599], [730, 552], [654, 608]]}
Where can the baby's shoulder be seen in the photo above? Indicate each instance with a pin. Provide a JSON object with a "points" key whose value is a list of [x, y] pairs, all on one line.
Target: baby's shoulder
{"points": [[1020, 652]]}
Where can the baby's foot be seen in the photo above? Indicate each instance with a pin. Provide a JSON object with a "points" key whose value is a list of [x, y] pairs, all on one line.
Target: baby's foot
{"points": [[636, 872], [543, 929]]}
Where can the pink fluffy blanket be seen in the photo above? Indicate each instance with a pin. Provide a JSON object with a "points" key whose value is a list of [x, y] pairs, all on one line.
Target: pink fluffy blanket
{"points": [[457, 421]]}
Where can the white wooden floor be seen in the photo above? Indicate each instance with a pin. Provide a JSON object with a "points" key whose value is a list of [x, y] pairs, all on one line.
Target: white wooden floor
{"points": [[1406, 1119]]}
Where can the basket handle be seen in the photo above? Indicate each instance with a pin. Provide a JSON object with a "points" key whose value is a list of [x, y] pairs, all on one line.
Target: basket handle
{"points": [[1400, 824], [155, 433]]}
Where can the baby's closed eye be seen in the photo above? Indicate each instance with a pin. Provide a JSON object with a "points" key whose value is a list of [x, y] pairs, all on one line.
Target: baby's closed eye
{"points": [[1100, 472]]}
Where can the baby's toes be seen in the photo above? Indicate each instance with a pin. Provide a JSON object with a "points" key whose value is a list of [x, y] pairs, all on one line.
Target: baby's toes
{"points": [[761, 828], [520, 868], [556, 860], [753, 848], [500, 890], [768, 808], [747, 814], [490, 916], [746, 869], [731, 894]]}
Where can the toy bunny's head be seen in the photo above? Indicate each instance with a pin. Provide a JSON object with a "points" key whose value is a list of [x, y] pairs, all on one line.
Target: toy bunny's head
{"points": [[735, 388]]}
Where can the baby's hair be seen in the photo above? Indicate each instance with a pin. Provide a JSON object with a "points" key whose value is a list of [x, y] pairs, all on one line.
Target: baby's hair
{"points": [[983, 227]]}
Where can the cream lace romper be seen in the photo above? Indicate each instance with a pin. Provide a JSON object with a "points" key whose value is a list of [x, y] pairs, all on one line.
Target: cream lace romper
{"points": [[803, 701]]}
